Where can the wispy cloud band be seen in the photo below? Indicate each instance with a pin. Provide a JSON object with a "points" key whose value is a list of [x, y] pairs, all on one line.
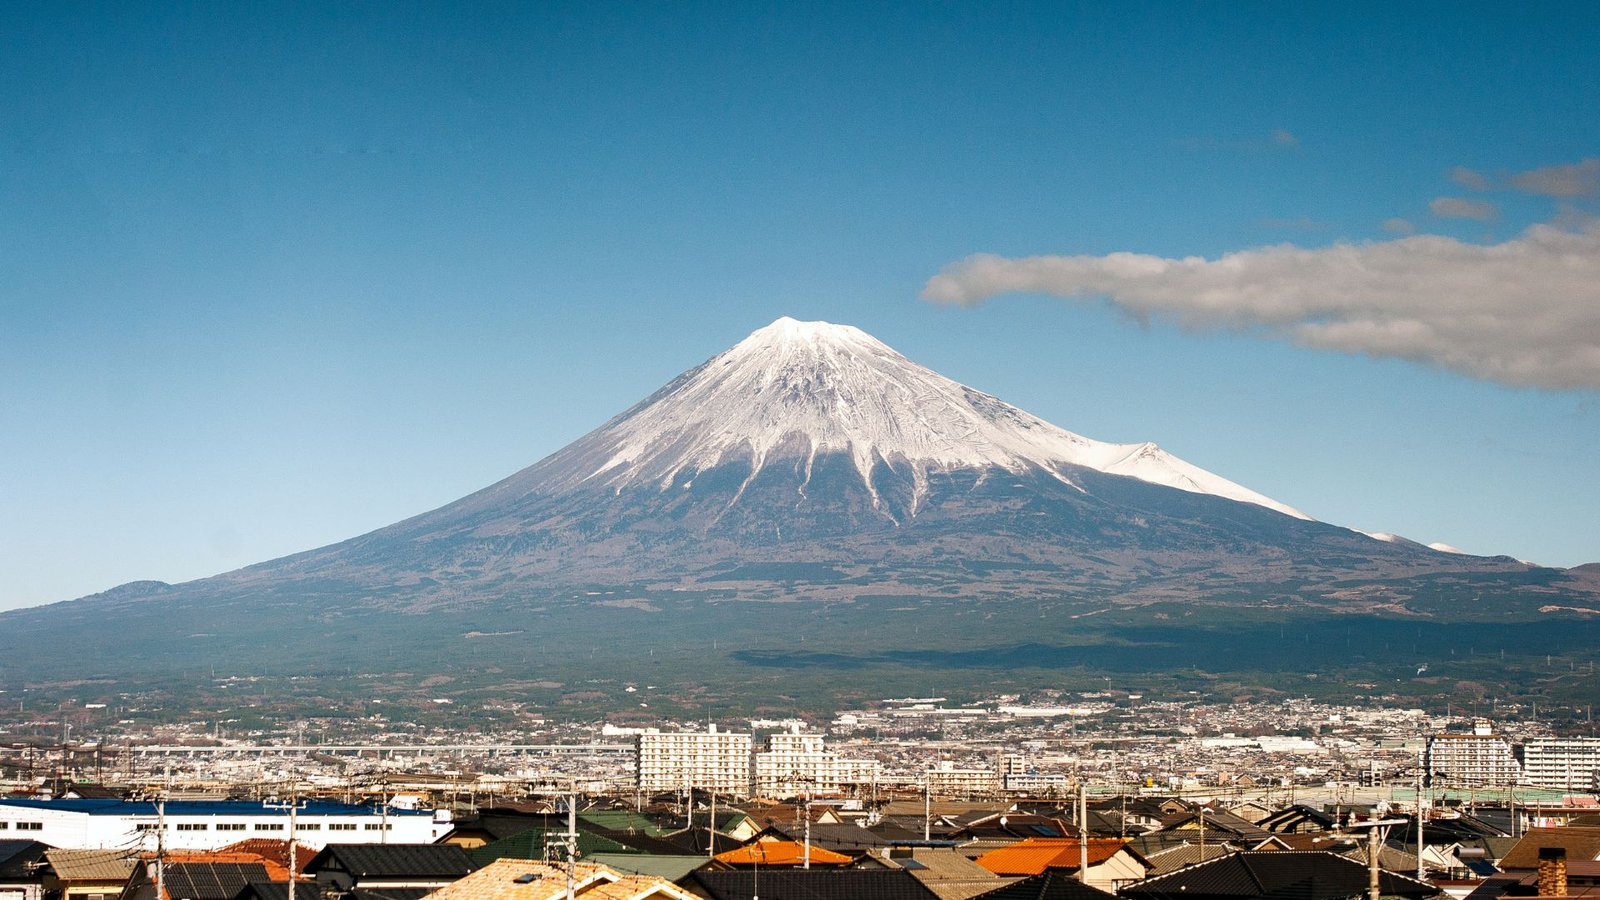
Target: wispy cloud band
{"points": [[1524, 312]]}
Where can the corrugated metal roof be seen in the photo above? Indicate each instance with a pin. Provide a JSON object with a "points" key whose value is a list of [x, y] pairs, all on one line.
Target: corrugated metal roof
{"points": [[91, 865]]}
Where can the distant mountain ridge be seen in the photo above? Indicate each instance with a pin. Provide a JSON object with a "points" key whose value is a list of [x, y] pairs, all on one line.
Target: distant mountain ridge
{"points": [[811, 466]]}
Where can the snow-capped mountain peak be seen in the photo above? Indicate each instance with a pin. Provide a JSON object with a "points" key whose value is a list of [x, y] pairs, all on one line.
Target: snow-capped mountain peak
{"points": [[800, 389]]}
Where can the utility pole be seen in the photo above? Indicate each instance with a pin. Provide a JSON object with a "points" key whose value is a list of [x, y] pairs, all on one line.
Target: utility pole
{"points": [[711, 828], [807, 863], [927, 807], [1083, 833], [161, 846], [292, 805], [1422, 816], [1373, 890], [572, 843]]}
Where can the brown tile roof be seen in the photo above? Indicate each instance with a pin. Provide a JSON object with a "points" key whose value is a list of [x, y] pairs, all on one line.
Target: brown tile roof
{"points": [[1581, 843], [276, 850], [275, 871]]}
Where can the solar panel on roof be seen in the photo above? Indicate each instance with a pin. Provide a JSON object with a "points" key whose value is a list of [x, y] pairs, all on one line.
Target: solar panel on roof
{"points": [[911, 864], [1046, 830]]}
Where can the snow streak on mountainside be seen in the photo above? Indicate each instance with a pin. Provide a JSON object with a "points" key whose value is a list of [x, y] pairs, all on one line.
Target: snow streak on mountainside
{"points": [[800, 389]]}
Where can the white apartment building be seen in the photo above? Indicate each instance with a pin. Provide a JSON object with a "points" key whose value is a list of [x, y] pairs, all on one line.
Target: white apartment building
{"points": [[797, 764], [1480, 759], [1571, 764], [710, 761], [83, 824], [1018, 775], [946, 781]]}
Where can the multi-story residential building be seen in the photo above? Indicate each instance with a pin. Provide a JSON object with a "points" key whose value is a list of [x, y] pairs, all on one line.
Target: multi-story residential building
{"points": [[796, 764], [686, 761], [1479, 759], [1018, 775], [1561, 763], [946, 780], [210, 824]]}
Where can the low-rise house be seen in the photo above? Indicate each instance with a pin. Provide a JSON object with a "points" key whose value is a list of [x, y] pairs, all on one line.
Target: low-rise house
{"points": [[1556, 876], [1578, 843], [1111, 862], [947, 873], [1172, 859], [526, 879], [1050, 885], [22, 870], [1296, 819], [347, 867], [1216, 825], [1275, 875], [813, 884], [88, 874], [212, 876], [777, 853]]}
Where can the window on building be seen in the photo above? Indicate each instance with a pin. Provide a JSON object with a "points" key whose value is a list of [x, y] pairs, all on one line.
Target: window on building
{"points": [[230, 826], [375, 826], [310, 826], [268, 826], [193, 826], [341, 826]]}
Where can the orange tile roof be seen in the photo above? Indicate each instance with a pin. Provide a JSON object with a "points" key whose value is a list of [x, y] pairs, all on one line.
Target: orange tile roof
{"points": [[276, 871], [1034, 855], [274, 849], [781, 853]]}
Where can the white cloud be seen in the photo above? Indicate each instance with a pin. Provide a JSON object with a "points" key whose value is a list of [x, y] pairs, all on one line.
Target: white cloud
{"points": [[1283, 138], [1460, 208], [1525, 312], [1577, 180], [1469, 178], [1399, 226]]}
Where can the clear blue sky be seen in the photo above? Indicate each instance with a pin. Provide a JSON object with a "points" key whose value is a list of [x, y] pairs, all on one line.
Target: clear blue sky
{"points": [[273, 276]]}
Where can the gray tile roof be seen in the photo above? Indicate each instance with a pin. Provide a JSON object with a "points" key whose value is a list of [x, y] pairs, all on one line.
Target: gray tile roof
{"points": [[396, 860]]}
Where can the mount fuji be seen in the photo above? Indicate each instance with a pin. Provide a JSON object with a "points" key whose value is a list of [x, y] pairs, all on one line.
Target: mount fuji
{"points": [[809, 484]]}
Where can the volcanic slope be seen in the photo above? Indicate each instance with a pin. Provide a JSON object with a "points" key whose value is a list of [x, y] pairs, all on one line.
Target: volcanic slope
{"points": [[813, 467]]}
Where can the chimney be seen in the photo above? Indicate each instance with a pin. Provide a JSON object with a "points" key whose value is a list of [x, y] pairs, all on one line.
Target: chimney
{"points": [[1552, 871]]}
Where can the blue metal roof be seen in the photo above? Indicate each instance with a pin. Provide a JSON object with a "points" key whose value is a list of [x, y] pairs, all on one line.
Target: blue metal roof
{"points": [[102, 807]]}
